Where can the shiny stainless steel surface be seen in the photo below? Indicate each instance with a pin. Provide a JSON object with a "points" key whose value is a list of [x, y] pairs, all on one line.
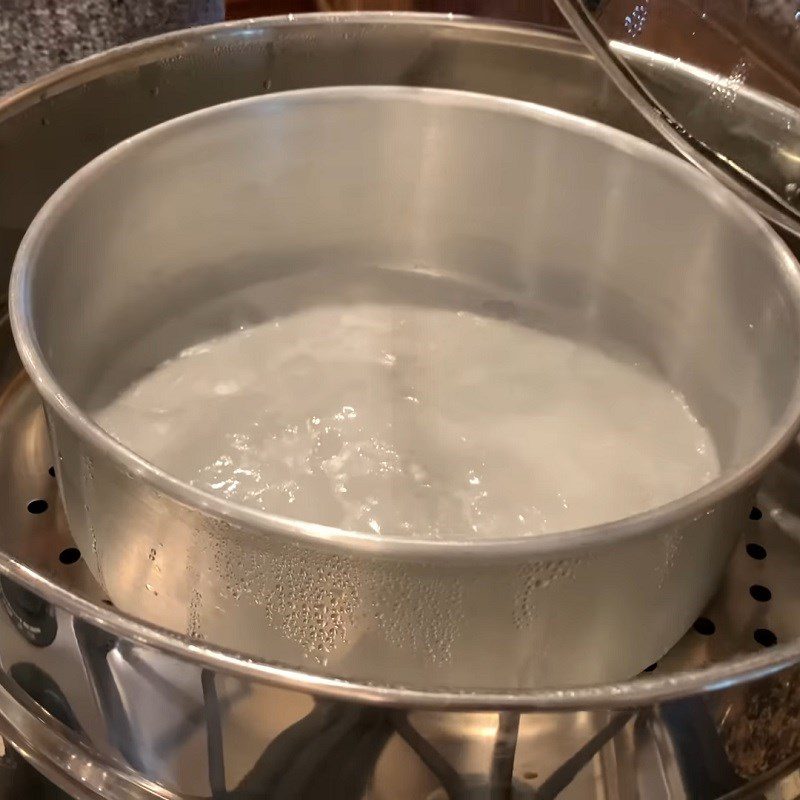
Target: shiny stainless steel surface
{"points": [[670, 750], [576, 225]]}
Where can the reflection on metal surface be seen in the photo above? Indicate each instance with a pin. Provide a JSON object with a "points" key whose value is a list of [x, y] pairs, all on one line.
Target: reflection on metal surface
{"points": [[636, 19], [44, 691], [712, 40], [33, 617]]}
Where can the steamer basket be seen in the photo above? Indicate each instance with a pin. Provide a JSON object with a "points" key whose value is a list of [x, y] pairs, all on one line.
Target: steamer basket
{"points": [[111, 706]]}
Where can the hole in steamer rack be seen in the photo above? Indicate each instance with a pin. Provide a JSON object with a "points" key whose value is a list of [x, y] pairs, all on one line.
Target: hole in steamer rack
{"points": [[765, 637], [704, 626], [37, 506], [756, 551], [69, 555], [761, 593]]}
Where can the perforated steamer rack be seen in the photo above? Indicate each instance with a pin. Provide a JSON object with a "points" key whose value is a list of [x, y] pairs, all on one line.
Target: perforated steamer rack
{"points": [[110, 707]]}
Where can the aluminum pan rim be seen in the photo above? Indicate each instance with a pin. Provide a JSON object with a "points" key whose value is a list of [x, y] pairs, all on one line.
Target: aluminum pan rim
{"points": [[640, 692]]}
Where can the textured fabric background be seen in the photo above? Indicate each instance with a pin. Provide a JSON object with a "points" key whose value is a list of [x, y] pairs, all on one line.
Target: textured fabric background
{"points": [[37, 36]]}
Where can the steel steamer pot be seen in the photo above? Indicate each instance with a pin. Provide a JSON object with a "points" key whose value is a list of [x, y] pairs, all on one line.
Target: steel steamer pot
{"points": [[147, 712]]}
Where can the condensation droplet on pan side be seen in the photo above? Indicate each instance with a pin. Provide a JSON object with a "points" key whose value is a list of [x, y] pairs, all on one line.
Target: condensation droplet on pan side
{"points": [[418, 611], [672, 541], [310, 597], [532, 578], [87, 480], [193, 625]]}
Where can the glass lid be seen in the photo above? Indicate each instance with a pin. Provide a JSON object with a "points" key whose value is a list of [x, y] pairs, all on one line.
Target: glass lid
{"points": [[745, 128]]}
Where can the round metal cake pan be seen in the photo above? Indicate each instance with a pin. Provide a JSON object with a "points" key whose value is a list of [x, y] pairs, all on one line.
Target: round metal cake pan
{"points": [[186, 227]]}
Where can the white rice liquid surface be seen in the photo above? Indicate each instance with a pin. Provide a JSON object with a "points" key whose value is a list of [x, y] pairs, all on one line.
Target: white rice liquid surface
{"points": [[416, 422]]}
